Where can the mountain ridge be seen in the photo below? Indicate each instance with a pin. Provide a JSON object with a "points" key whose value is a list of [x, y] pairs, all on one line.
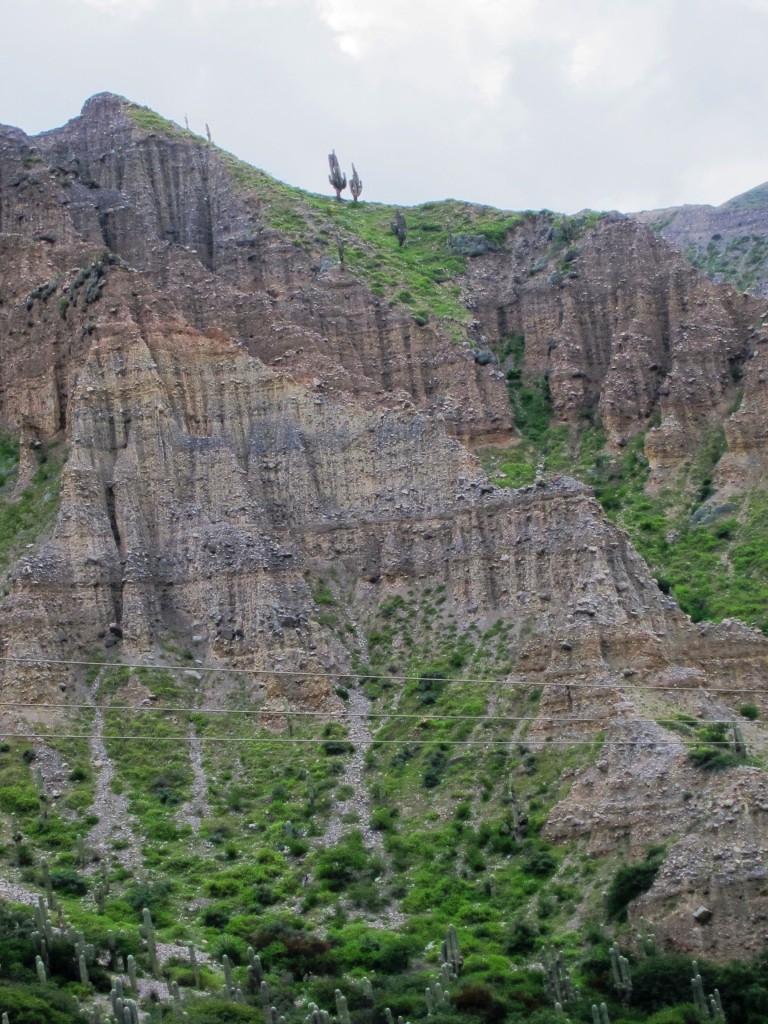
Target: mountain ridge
{"points": [[275, 424]]}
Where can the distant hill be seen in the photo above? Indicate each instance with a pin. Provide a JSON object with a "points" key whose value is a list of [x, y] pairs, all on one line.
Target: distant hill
{"points": [[728, 242]]}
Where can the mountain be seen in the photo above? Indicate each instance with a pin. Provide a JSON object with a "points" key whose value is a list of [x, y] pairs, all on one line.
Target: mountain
{"points": [[326, 622], [728, 242]]}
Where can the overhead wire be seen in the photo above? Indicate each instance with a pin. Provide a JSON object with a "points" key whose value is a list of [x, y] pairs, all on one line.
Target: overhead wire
{"points": [[371, 676], [373, 742]]}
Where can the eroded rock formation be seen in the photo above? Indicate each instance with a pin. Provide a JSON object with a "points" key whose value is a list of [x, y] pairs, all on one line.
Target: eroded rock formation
{"points": [[240, 420]]}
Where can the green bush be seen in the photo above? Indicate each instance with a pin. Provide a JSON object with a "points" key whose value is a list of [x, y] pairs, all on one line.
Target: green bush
{"points": [[629, 882], [38, 1004]]}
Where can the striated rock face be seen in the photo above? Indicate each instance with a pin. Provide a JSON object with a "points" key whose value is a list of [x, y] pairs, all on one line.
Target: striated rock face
{"points": [[622, 328], [241, 421], [728, 241]]}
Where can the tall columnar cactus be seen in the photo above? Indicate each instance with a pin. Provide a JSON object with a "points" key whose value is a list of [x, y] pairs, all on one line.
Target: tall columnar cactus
{"points": [[194, 964], [698, 991], [43, 921], [147, 932], [450, 953], [255, 970], [355, 184], [400, 228], [337, 179], [739, 746], [557, 978], [83, 968], [175, 992], [47, 881], [716, 1007], [600, 1014], [709, 1007], [131, 964], [264, 996], [622, 979], [42, 977], [228, 979], [342, 1010]]}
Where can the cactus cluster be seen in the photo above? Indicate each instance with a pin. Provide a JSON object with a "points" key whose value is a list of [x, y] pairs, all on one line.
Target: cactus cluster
{"points": [[557, 979], [647, 938], [622, 978], [710, 1006]]}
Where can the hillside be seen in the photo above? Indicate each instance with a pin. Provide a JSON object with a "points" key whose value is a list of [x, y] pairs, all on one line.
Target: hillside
{"points": [[326, 623], [728, 242]]}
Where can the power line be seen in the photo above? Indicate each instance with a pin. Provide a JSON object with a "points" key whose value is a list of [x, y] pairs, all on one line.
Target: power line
{"points": [[290, 713], [436, 741], [373, 676]]}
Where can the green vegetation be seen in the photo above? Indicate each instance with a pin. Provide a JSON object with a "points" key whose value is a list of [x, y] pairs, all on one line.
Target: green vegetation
{"points": [[423, 275], [25, 516], [630, 881], [149, 121], [740, 261]]}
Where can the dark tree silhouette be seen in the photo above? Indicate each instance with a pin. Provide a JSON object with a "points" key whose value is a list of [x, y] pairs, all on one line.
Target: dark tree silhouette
{"points": [[355, 184], [336, 178]]}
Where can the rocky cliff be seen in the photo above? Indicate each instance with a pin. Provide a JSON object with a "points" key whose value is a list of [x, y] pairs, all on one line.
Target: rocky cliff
{"points": [[728, 241], [244, 416]]}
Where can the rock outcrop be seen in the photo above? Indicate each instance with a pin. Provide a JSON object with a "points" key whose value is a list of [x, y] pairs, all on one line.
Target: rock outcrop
{"points": [[241, 421]]}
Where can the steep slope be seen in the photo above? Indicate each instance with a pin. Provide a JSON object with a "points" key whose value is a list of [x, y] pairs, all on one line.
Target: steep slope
{"points": [[729, 242], [271, 498]]}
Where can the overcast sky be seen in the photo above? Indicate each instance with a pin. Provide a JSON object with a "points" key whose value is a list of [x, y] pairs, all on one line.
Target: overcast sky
{"points": [[522, 104]]}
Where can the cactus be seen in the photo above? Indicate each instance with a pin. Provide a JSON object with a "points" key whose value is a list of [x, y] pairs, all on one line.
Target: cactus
{"points": [[600, 1014], [557, 978], [178, 1009], [83, 967], [622, 979], [367, 990], [519, 817], [81, 851], [716, 1007], [43, 921], [337, 179], [342, 1010], [355, 184], [388, 1015], [132, 973], [255, 970], [739, 746], [47, 881], [41, 973], [147, 932], [647, 938], [709, 1007], [450, 952], [399, 228], [264, 995], [194, 964], [698, 991], [228, 979], [5, 1019]]}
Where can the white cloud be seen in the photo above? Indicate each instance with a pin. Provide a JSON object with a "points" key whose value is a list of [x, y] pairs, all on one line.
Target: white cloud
{"points": [[128, 8]]}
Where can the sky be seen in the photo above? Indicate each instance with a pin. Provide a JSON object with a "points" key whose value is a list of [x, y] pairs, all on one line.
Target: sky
{"points": [[519, 104]]}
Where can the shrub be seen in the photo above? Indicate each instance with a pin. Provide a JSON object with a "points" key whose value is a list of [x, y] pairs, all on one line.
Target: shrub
{"points": [[69, 881], [38, 1004], [629, 882], [749, 711]]}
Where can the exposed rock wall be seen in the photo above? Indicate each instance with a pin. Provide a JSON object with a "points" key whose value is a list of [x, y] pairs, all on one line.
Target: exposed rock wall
{"points": [[238, 427]]}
